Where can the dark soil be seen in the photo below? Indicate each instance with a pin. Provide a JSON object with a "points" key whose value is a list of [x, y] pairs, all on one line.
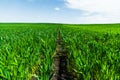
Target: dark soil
{"points": [[60, 61]]}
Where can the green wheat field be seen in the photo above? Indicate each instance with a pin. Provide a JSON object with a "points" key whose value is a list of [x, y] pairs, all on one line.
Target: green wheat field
{"points": [[27, 49]]}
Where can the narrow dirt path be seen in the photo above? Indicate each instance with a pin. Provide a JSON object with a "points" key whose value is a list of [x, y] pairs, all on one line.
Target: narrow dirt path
{"points": [[60, 60]]}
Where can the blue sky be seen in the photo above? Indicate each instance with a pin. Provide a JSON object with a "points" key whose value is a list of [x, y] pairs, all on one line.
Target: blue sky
{"points": [[60, 11]]}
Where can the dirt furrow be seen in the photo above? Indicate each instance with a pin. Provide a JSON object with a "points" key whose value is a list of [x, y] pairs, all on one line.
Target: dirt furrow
{"points": [[60, 58]]}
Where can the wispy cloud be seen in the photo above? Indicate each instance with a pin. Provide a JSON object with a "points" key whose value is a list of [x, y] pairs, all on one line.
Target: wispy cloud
{"points": [[57, 8], [103, 10]]}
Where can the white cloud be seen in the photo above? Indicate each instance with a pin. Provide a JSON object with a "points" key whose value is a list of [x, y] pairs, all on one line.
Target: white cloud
{"points": [[57, 9], [107, 10]]}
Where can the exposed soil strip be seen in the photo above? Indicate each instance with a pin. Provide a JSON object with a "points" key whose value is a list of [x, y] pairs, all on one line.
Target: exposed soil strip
{"points": [[60, 60]]}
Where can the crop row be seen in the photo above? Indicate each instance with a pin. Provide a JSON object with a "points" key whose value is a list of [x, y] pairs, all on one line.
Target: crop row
{"points": [[93, 55], [26, 51]]}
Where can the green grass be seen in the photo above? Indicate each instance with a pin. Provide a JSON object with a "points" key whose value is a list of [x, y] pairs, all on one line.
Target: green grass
{"points": [[109, 28], [94, 51], [26, 49]]}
